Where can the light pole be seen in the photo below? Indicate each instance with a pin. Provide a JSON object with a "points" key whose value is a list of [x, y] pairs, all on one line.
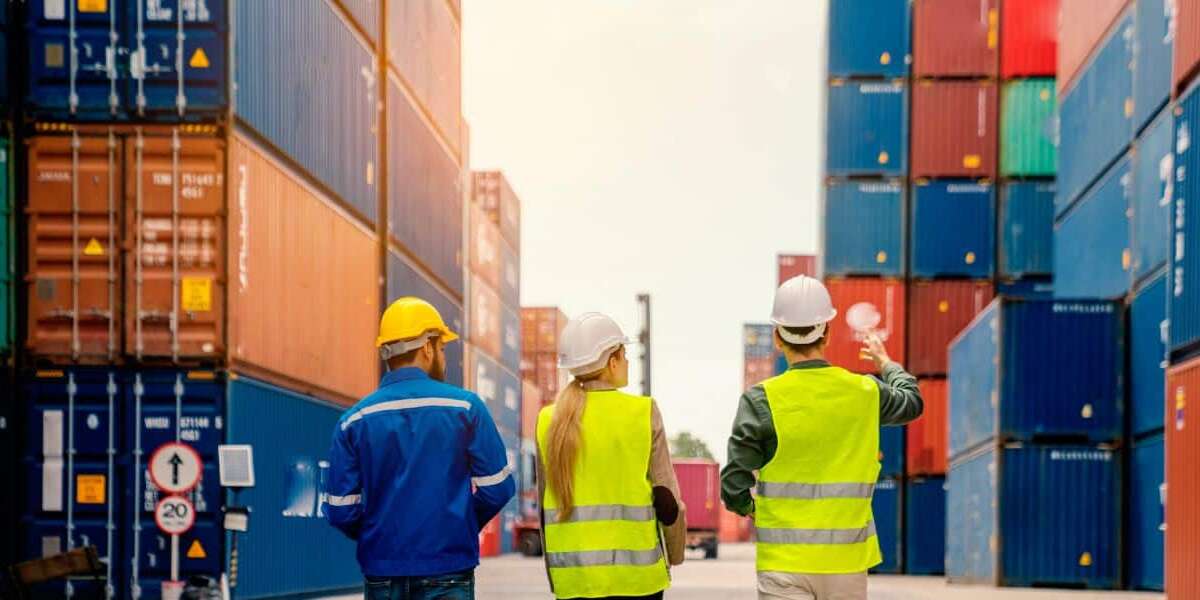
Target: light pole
{"points": [[644, 340]]}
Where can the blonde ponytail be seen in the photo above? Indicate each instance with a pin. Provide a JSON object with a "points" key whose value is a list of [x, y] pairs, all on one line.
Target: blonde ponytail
{"points": [[563, 441]]}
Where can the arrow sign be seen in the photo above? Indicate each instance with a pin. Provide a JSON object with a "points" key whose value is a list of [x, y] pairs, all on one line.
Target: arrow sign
{"points": [[175, 468]]}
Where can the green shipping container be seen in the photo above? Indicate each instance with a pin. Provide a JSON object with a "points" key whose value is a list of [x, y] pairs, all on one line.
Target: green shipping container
{"points": [[7, 268], [1027, 129]]}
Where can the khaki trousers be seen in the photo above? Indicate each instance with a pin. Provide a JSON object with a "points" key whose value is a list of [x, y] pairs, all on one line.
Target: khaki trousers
{"points": [[797, 586]]}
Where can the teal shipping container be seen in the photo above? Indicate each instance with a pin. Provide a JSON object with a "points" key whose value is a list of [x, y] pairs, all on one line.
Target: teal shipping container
{"points": [[7, 241], [1027, 128]]}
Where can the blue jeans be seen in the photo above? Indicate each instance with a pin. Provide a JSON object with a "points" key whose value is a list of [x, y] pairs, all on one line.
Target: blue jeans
{"points": [[455, 586]]}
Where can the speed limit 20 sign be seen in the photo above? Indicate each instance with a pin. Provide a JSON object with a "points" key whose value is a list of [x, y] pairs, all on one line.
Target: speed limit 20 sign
{"points": [[175, 515]]}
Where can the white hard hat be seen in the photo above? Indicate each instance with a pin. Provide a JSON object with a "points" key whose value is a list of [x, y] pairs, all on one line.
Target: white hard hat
{"points": [[802, 302], [587, 341]]}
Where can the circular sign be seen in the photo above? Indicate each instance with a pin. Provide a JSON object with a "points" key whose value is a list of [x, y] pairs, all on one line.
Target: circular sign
{"points": [[175, 468], [863, 317], [175, 515]]}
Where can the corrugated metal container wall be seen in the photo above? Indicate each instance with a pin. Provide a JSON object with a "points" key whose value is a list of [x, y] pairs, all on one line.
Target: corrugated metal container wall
{"points": [[485, 249], [366, 14], [1147, 357], [493, 193], [1152, 192], [954, 129], [1081, 26], [758, 340], [1028, 38], [927, 435], [8, 306], [4, 67], [881, 300], [1187, 43], [278, 87], [700, 488], [425, 47], [1026, 223], [1152, 58], [404, 280], [510, 338], [292, 549], [891, 451], [1183, 487], [1030, 370], [940, 309], [1092, 256], [425, 191], [1065, 534], [288, 243], [156, 90], [541, 327], [1027, 128], [867, 130], [953, 229], [1146, 536], [8, 464], [864, 228], [508, 414], [869, 39], [925, 526], [510, 275], [792, 265], [490, 382], [887, 510], [484, 307], [1184, 293], [1096, 116], [955, 38]]}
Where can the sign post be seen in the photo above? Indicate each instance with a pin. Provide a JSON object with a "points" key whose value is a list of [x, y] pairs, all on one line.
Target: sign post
{"points": [[175, 469]]}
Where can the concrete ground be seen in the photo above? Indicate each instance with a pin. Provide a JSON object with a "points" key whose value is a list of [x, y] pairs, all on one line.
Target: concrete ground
{"points": [[514, 577]]}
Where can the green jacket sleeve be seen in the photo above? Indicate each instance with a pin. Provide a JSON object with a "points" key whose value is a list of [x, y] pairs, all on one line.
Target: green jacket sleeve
{"points": [[899, 396], [752, 444]]}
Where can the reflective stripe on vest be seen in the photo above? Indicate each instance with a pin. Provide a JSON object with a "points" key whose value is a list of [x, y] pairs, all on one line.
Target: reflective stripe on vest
{"points": [[813, 512], [609, 545]]}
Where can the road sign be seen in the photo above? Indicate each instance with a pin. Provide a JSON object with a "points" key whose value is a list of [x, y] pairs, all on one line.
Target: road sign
{"points": [[175, 468], [175, 515]]}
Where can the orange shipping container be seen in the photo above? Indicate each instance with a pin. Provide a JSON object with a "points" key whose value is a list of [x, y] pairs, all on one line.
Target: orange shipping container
{"points": [[733, 528], [880, 306], [485, 248], [927, 436], [485, 317], [540, 328], [301, 267], [531, 405]]}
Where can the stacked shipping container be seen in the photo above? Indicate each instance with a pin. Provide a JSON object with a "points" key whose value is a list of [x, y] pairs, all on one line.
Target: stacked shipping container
{"points": [[540, 328]]}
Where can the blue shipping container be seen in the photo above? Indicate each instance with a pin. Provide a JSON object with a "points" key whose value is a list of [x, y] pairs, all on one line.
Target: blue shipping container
{"points": [[1035, 515], [510, 339], [1092, 256], [8, 465], [864, 228], [1026, 289], [4, 67], [1026, 217], [366, 14], [404, 280], [1153, 49], [499, 389], [127, 60], [867, 128], [318, 108], [869, 39], [758, 340], [925, 526], [1153, 187], [1035, 369], [1184, 292], [1096, 116], [424, 192], [953, 229], [887, 508], [510, 275], [1146, 518], [891, 451], [1148, 357]]}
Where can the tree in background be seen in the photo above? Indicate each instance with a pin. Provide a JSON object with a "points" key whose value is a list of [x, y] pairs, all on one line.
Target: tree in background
{"points": [[686, 445]]}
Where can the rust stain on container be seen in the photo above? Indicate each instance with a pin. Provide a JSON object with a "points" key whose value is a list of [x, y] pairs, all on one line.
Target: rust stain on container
{"points": [[955, 38], [937, 311], [1183, 480], [1081, 26], [878, 301], [304, 292], [954, 129], [927, 435]]}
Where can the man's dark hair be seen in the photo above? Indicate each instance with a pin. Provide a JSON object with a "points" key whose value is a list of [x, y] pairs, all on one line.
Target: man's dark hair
{"points": [[802, 332], [403, 360]]}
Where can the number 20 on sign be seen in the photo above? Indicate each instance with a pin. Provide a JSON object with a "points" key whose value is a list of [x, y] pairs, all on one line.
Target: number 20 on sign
{"points": [[175, 515]]}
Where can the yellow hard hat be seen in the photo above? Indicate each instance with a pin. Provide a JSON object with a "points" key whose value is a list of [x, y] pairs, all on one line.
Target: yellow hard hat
{"points": [[412, 321]]}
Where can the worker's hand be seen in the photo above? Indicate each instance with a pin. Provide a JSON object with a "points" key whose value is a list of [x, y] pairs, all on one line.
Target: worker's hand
{"points": [[874, 351]]}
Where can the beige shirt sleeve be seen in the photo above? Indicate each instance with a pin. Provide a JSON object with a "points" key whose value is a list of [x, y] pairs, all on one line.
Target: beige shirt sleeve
{"points": [[662, 474]]}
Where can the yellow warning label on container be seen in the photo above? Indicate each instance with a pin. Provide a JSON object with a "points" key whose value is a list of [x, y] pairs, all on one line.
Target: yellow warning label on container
{"points": [[93, 248], [972, 161], [883, 158], [196, 550], [1085, 559], [943, 306], [969, 258], [992, 40], [1128, 107], [1126, 259], [881, 257], [93, 6], [1180, 398], [199, 59], [196, 294], [89, 489], [885, 58]]}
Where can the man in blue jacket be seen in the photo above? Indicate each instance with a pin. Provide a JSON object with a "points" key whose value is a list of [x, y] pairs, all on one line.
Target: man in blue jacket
{"points": [[417, 468]]}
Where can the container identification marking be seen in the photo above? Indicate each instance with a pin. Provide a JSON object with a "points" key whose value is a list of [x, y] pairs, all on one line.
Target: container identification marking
{"points": [[89, 489], [196, 294]]}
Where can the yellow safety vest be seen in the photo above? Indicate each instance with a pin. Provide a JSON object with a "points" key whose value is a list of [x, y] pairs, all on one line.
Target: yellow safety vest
{"points": [[813, 511], [610, 546]]}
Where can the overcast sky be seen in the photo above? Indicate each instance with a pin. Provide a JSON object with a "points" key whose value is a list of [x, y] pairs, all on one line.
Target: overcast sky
{"points": [[667, 146]]}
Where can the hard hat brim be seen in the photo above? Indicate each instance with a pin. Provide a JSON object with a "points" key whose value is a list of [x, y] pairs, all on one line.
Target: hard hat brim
{"points": [[446, 336], [833, 313]]}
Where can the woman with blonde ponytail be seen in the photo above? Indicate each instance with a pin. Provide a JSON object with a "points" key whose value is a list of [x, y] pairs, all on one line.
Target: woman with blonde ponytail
{"points": [[610, 501]]}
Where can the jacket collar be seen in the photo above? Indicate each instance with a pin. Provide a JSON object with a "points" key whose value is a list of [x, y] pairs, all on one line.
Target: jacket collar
{"points": [[816, 363], [403, 374]]}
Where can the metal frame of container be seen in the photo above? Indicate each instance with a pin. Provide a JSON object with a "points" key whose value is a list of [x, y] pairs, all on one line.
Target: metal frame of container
{"points": [[887, 507], [1093, 256]]}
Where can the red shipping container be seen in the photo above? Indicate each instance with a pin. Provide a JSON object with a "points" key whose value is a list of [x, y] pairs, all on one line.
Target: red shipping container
{"points": [[548, 378], [485, 317], [700, 486], [540, 327], [1187, 42], [485, 248], [734, 528], [937, 311], [1081, 26], [1183, 481], [795, 265], [499, 202], [954, 129], [755, 370], [955, 38], [880, 301], [927, 436], [1028, 38], [489, 539], [531, 405]]}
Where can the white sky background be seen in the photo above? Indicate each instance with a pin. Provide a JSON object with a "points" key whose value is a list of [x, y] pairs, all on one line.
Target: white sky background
{"points": [[668, 146]]}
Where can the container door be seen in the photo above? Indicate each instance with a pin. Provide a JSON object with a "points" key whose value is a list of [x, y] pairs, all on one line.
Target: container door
{"points": [[73, 47], [175, 291], [176, 57], [7, 267], [73, 268]]}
